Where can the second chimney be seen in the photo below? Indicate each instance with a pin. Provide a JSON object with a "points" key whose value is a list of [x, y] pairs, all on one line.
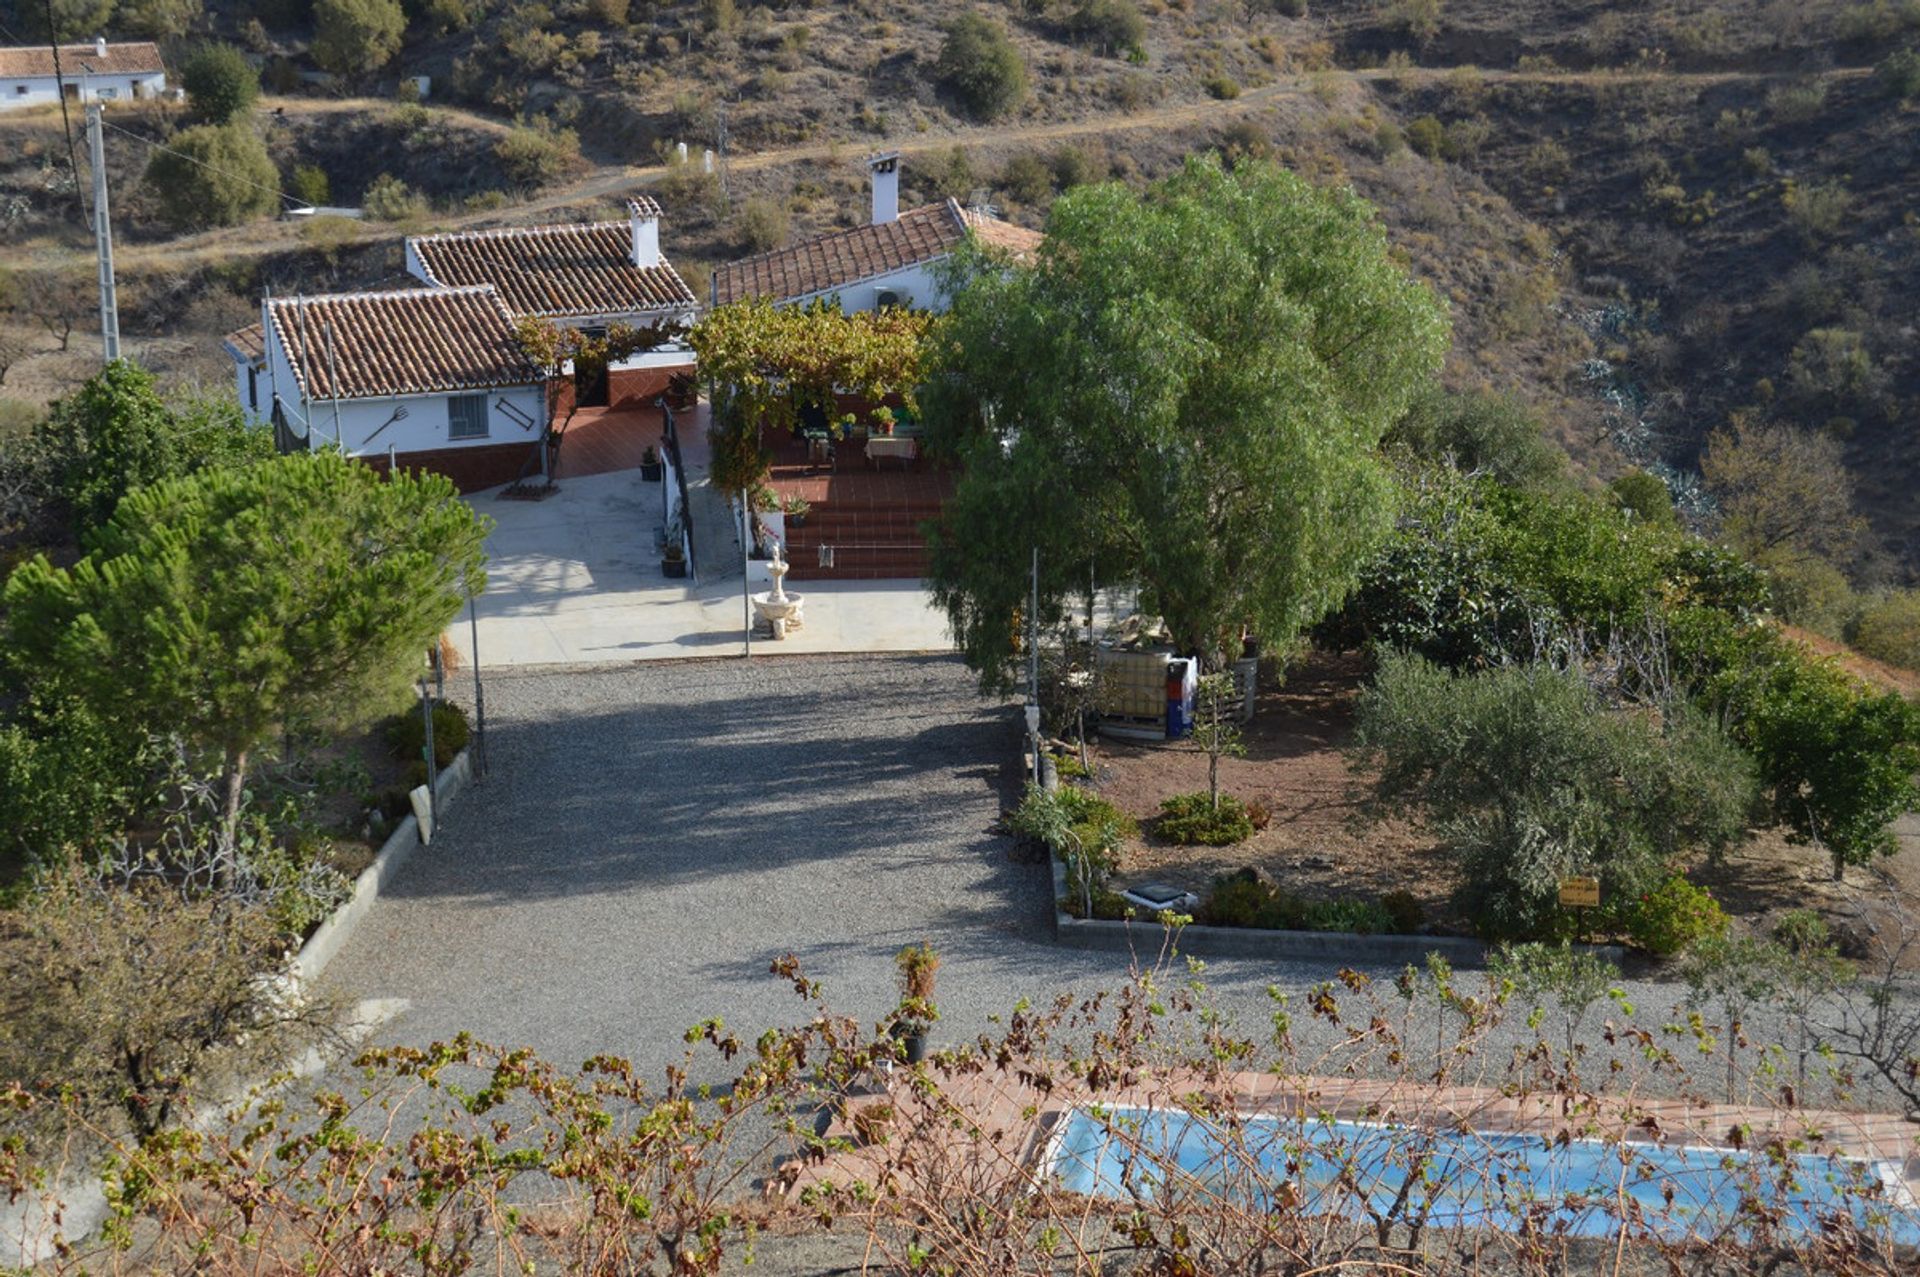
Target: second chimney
{"points": [[99, 46], [885, 169], [643, 220]]}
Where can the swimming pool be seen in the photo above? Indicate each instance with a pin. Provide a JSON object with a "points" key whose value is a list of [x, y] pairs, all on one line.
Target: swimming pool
{"points": [[1469, 1179]]}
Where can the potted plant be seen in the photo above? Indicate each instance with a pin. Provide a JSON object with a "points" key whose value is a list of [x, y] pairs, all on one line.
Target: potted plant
{"points": [[918, 964], [796, 508], [883, 422], [651, 468], [673, 560]]}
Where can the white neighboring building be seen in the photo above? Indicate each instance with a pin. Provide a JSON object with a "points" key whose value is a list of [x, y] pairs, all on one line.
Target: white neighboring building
{"points": [[891, 261], [97, 72], [425, 378]]}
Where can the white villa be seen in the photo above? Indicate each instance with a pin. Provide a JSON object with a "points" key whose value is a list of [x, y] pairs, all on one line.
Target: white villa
{"points": [[97, 72], [888, 262], [434, 377]]}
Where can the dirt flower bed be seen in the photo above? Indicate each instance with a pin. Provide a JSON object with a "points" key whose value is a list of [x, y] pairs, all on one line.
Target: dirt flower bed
{"points": [[1316, 843]]}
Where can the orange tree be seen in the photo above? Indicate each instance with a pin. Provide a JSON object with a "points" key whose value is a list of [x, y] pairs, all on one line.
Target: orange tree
{"points": [[763, 363]]}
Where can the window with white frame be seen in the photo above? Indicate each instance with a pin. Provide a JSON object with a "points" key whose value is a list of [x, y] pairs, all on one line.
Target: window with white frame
{"points": [[467, 417]]}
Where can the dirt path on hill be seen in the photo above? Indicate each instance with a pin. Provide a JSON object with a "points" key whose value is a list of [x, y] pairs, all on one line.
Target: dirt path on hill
{"points": [[612, 181]]}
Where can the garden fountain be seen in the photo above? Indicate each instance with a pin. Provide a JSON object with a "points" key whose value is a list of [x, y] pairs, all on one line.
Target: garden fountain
{"points": [[779, 609]]}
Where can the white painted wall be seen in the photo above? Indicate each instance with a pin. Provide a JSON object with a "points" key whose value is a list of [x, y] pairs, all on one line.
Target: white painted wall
{"points": [[917, 284], [356, 421], [38, 90]]}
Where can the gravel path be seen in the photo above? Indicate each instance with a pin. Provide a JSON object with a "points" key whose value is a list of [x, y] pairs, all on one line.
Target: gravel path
{"points": [[650, 838]]}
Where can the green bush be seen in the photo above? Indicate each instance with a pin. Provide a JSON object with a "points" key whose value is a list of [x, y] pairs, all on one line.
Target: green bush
{"points": [[1362, 917], [213, 175], [1242, 899], [1192, 820], [1108, 906], [407, 735], [356, 37], [1675, 916], [1223, 87], [1027, 177], [1114, 25], [1646, 496], [392, 200], [1888, 629], [980, 67], [1530, 777], [1072, 820], [220, 83], [534, 157], [310, 185], [761, 224], [1404, 913], [1476, 431], [1428, 136], [1899, 74]]}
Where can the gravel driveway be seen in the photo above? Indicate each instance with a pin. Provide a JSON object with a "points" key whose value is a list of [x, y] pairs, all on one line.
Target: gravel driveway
{"points": [[650, 838]]}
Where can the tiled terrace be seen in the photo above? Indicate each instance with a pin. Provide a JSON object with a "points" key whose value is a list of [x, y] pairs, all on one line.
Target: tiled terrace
{"points": [[599, 440], [870, 515]]}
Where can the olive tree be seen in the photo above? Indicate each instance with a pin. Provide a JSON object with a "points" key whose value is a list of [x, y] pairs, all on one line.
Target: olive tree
{"points": [[214, 175], [1188, 389]]}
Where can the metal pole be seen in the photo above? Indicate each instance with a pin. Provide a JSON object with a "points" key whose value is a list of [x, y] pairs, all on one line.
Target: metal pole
{"points": [[433, 772], [746, 560], [103, 238], [479, 693], [1033, 661]]}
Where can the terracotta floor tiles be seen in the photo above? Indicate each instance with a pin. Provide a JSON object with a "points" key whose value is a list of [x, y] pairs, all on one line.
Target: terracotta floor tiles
{"points": [[599, 440]]}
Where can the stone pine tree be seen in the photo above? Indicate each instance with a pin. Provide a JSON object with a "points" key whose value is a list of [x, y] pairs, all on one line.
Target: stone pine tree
{"points": [[1188, 388], [228, 606]]}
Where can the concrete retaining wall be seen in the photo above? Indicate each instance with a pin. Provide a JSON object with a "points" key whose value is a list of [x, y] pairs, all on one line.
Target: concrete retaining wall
{"points": [[1334, 948], [328, 939]]}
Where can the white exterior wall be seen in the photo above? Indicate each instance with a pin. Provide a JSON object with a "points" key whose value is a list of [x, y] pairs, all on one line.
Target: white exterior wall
{"points": [[424, 430], [916, 284], [40, 90]]}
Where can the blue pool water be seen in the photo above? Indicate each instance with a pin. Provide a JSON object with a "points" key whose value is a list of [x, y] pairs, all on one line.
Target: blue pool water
{"points": [[1474, 1179]]}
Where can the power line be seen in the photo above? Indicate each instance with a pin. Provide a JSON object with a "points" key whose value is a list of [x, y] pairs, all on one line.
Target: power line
{"points": [[242, 179], [66, 121]]}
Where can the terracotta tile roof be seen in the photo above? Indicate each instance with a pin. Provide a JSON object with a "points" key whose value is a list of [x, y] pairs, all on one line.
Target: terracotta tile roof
{"points": [[416, 341], [846, 257], [249, 343], [135, 57], [582, 270]]}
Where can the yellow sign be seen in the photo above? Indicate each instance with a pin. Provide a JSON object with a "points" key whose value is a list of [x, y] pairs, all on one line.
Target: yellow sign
{"points": [[1580, 892]]}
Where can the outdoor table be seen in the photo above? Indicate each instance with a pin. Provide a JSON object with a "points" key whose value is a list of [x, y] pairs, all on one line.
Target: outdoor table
{"points": [[880, 446]]}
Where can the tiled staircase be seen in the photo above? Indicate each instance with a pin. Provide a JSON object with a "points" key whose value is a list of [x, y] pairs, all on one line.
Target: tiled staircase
{"points": [[869, 540]]}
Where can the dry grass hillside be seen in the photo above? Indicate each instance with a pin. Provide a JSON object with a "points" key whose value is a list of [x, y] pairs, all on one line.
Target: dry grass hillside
{"points": [[1647, 218]]}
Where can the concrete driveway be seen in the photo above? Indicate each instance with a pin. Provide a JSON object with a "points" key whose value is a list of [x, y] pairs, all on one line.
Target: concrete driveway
{"points": [[575, 579], [651, 837]]}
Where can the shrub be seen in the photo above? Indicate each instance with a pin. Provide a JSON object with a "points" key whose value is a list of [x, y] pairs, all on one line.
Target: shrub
{"points": [[1192, 820], [1899, 74], [1428, 136], [1480, 431], [406, 734], [310, 185], [1646, 496], [1675, 916], [213, 175], [391, 200], [1531, 777], [220, 83], [1362, 917], [612, 13], [980, 67], [1244, 899], [534, 157], [1818, 212], [1888, 629], [1404, 913], [356, 37], [1108, 906], [1027, 178], [1223, 87], [760, 224], [1114, 25]]}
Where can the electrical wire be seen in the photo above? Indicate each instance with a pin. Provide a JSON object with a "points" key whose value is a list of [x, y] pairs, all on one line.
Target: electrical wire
{"points": [[243, 180]]}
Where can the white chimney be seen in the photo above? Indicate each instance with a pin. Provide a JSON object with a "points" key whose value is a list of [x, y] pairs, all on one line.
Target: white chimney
{"points": [[643, 218], [885, 169], [99, 46]]}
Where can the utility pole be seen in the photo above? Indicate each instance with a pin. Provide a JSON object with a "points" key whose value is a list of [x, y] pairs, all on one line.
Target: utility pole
{"points": [[103, 238]]}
